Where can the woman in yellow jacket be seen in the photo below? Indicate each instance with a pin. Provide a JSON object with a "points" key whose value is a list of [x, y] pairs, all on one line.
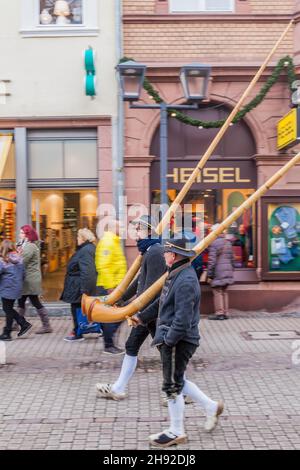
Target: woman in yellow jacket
{"points": [[111, 267]]}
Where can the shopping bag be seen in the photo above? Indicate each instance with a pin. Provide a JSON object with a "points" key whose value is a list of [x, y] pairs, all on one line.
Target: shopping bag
{"points": [[84, 327]]}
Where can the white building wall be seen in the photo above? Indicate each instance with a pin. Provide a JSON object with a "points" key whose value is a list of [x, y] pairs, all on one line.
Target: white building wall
{"points": [[47, 73]]}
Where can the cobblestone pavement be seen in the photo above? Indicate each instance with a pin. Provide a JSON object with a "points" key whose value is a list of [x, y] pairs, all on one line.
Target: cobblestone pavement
{"points": [[48, 401]]}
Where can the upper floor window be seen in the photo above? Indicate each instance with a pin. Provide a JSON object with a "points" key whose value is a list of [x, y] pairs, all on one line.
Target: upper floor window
{"points": [[59, 18], [61, 12], [203, 6]]}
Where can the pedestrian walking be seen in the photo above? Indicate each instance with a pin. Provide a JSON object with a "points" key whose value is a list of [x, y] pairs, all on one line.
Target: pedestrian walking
{"points": [[220, 273], [152, 268], [29, 248], [177, 338], [11, 285], [111, 267], [80, 278]]}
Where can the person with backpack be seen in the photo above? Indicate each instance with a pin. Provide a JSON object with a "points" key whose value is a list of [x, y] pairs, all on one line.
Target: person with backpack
{"points": [[11, 285]]}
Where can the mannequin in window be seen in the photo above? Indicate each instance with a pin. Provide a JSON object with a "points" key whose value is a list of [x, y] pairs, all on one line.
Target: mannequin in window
{"points": [[73, 8]]}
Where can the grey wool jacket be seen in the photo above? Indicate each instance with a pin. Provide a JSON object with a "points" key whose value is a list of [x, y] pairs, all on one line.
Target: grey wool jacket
{"points": [[179, 307]]}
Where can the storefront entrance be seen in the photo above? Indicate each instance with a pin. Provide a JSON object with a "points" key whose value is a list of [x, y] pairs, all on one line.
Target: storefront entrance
{"points": [[228, 178], [58, 215]]}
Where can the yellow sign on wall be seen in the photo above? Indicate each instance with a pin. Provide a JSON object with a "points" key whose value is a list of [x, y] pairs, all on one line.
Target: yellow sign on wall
{"points": [[288, 130]]}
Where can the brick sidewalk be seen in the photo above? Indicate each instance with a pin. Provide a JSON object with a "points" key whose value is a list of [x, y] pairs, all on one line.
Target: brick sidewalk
{"points": [[48, 401]]}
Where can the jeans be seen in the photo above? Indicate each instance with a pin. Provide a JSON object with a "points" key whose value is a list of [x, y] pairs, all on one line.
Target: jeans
{"points": [[137, 337], [221, 300], [74, 307], [11, 314], [109, 329], [34, 299], [174, 363]]}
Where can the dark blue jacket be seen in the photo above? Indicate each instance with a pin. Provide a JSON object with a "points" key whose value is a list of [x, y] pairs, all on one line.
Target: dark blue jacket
{"points": [[81, 274], [179, 307], [11, 277], [152, 268]]}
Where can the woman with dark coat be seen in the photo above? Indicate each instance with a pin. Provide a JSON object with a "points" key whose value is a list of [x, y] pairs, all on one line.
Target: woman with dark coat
{"points": [[220, 271], [29, 248], [11, 284], [81, 277]]}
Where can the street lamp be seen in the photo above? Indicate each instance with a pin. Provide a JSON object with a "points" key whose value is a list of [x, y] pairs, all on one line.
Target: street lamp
{"points": [[194, 79]]}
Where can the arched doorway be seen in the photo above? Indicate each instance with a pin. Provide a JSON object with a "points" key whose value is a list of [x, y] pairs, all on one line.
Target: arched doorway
{"points": [[228, 178]]}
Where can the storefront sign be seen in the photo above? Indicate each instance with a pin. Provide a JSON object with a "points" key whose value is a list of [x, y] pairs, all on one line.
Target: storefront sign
{"points": [[288, 129], [229, 174]]}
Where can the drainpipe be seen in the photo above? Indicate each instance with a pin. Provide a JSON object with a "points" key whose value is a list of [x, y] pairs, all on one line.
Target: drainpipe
{"points": [[118, 123]]}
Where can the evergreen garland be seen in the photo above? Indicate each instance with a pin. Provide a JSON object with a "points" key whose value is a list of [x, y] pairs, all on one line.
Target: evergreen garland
{"points": [[285, 62]]}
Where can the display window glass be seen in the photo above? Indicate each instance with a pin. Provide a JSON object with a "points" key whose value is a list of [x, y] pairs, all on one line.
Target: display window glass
{"points": [[57, 216], [8, 214], [284, 237], [218, 204]]}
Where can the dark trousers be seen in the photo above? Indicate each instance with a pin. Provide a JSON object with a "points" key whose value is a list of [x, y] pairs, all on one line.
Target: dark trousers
{"points": [[74, 307], [109, 329], [34, 299], [11, 314], [174, 363], [137, 337]]}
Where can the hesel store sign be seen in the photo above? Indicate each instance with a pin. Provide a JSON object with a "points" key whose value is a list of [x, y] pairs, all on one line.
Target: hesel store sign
{"points": [[216, 174]]}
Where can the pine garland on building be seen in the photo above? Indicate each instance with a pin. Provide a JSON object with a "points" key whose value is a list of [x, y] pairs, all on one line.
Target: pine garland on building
{"points": [[284, 63]]}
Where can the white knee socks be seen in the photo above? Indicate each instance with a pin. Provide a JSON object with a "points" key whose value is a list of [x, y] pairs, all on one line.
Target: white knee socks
{"points": [[199, 397], [176, 412], [127, 371]]}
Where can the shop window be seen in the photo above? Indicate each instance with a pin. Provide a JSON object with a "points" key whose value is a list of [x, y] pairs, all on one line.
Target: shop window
{"points": [[63, 159], [57, 216], [59, 18], [281, 238], [218, 204], [7, 192], [7, 214], [7, 158], [206, 6]]}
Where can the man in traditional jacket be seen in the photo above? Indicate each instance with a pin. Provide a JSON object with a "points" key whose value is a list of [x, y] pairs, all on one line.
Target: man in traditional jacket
{"points": [[177, 338]]}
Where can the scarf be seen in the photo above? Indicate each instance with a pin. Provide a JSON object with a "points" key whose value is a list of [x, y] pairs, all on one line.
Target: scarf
{"points": [[145, 243]]}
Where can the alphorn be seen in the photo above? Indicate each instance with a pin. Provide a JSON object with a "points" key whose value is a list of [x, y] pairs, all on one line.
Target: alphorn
{"points": [[117, 293], [97, 312]]}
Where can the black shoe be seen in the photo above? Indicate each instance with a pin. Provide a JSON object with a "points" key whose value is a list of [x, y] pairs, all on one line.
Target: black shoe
{"points": [[24, 328], [167, 439], [5, 337], [218, 317], [113, 350]]}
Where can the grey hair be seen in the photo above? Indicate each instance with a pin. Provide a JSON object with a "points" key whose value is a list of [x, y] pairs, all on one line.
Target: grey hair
{"points": [[86, 235]]}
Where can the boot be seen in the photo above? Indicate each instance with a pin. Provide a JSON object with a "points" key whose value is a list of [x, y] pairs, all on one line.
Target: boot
{"points": [[21, 312], [6, 335], [46, 328]]}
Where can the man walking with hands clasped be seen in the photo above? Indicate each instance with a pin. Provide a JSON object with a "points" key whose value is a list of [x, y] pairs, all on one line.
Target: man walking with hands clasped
{"points": [[177, 338]]}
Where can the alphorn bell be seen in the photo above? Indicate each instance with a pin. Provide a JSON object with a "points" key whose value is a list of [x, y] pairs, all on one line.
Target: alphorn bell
{"points": [[117, 293], [97, 312]]}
